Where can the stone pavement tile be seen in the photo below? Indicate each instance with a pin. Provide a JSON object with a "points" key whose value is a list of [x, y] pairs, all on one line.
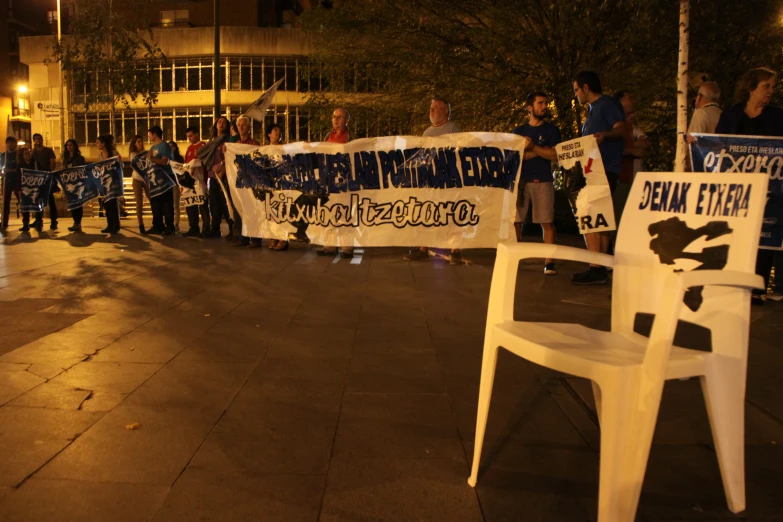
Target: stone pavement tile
{"points": [[29, 437], [5, 492], [397, 426], [63, 349], [47, 370], [145, 347], [101, 400], [207, 386], [320, 376], [281, 432], [520, 416], [391, 344], [395, 372], [48, 500], [14, 384], [155, 452], [25, 305], [13, 367], [684, 483], [395, 489], [402, 315], [248, 345], [398, 332], [107, 376], [51, 395], [550, 484], [175, 322], [110, 323], [21, 329], [461, 367], [315, 343], [201, 495]]}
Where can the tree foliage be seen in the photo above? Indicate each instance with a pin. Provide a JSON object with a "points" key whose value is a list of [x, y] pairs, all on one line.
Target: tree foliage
{"points": [[486, 56], [110, 50]]}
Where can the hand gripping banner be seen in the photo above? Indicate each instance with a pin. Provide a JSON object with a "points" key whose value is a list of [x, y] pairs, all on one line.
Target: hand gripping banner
{"points": [[109, 173], [190, 178], [744, 154], [586, 184], [79, 186], [36, 188], [452, 191], [157, 177]]}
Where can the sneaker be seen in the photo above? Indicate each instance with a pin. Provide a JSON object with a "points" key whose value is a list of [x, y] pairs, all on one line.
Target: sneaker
{"points": [[169, 232], [154, 230], [193, 232], [326, 251], [346, 254], [595, 275], [25, 228], [53, 226], [75, 228], [38, 226], [757, 300], [455, 259], [550, 269], [417, 255]]}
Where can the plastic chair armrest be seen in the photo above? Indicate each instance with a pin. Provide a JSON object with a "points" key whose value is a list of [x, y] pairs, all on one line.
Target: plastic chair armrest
{"points": [[519, 251]]}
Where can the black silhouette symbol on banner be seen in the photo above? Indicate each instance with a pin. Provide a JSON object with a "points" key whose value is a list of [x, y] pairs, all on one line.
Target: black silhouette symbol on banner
{"points": [[672, 236], [574, 180]]}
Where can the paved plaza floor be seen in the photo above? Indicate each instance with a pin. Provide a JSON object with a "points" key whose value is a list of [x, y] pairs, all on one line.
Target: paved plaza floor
{"points": [[176, 379]]}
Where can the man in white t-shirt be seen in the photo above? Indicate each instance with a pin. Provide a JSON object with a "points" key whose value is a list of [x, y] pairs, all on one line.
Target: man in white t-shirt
{"points": [[705, 117], [440, 119]]}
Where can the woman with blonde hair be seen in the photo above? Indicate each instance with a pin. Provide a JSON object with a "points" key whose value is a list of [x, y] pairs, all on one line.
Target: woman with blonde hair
{"points": [[140, 188]]}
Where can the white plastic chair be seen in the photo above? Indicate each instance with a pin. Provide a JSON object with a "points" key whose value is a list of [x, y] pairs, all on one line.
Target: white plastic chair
{"points": [[627, 369]]}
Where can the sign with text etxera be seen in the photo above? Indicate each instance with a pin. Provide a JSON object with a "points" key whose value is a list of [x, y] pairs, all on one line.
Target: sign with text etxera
{"points": [[586, 184], [743, 155], [452, 191]]}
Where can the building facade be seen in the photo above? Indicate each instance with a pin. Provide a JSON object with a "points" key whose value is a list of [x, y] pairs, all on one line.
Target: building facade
{"points": [[260, 44]]}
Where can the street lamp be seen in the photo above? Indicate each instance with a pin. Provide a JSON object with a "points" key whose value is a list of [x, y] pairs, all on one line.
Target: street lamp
{"points": [[22, 89], [62, 109]]}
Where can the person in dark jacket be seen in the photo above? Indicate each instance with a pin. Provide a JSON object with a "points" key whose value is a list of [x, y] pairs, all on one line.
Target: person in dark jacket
{"points": [[72, 157], [752, 115]]}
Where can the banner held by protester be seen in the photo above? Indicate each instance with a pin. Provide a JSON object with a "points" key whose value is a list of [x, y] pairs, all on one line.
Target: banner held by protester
{"points": [[36, 189], [451, 191], [190, 178], [79, 185], [156, 177], [586, 184], [745, 154], [109, 173]]}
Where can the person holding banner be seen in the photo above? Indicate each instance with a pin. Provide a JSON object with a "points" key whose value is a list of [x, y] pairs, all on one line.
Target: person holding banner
{"points": [[537, 187], [162, 204], [274, 135], [211, 157], [194, 138], [140, 188], [106, 150], [243, 127], [72, 157], [12, 177], [606, 122], [176, 156], [44, 160], [340, 134], [752, 115], [26, 161]]}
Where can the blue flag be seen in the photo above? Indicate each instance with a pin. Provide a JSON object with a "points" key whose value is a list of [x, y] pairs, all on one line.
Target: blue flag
{"points": [[109, 174], [79, 186], [747, 154], [36, 188], [159, 179]]}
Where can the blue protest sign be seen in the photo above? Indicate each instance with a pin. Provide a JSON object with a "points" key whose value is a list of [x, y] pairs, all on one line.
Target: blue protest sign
{"points": [[158, 178], [79, 186], [746, 154], [109, 173], [36, 188]]}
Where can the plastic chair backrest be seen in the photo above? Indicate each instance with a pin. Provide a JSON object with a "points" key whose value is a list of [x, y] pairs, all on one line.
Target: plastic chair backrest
{"points": [[682, 222]]}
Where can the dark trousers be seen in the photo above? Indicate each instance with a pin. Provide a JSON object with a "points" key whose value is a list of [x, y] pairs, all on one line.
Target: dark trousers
{"points": [[10, 188], [193, 212], [52, 211], [77, 214], [112, 209], [764, 261], [163, 211], [218, 206]]}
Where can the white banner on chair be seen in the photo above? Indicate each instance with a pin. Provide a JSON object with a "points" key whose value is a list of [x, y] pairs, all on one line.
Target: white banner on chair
{"points": [[586, 184], [693, 222]]}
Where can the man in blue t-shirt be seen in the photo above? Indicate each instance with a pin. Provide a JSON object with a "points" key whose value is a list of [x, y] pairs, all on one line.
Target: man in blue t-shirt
{"points": [[162, 204], [538, 187], [606, 122]]}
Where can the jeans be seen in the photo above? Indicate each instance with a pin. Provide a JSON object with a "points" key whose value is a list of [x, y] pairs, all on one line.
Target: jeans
{"points": [[193, 212], [163, 211], [218, 206], [112, 209]]}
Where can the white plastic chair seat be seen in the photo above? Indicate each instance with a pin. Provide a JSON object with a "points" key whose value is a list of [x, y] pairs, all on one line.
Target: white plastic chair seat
{"points": [[584, 352]]}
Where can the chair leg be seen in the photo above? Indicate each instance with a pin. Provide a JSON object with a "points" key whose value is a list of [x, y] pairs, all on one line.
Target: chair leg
{"points": [[597, 399], [626, 436], [724, 387], [488, 365]]}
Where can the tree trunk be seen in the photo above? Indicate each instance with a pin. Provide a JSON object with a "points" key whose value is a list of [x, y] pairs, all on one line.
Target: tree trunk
{"points": [[682, 88]]}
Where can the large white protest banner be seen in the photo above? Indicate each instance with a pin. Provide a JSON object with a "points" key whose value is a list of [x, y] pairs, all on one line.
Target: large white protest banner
{"points": [[588, 189], [190, 178], [452, 191]]}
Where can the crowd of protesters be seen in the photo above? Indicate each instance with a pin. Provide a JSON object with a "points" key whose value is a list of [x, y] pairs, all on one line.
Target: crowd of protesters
{"points": [[610, 119]]}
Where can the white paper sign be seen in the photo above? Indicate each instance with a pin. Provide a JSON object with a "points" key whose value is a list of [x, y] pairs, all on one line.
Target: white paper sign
{"points": [[586, 183]]}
